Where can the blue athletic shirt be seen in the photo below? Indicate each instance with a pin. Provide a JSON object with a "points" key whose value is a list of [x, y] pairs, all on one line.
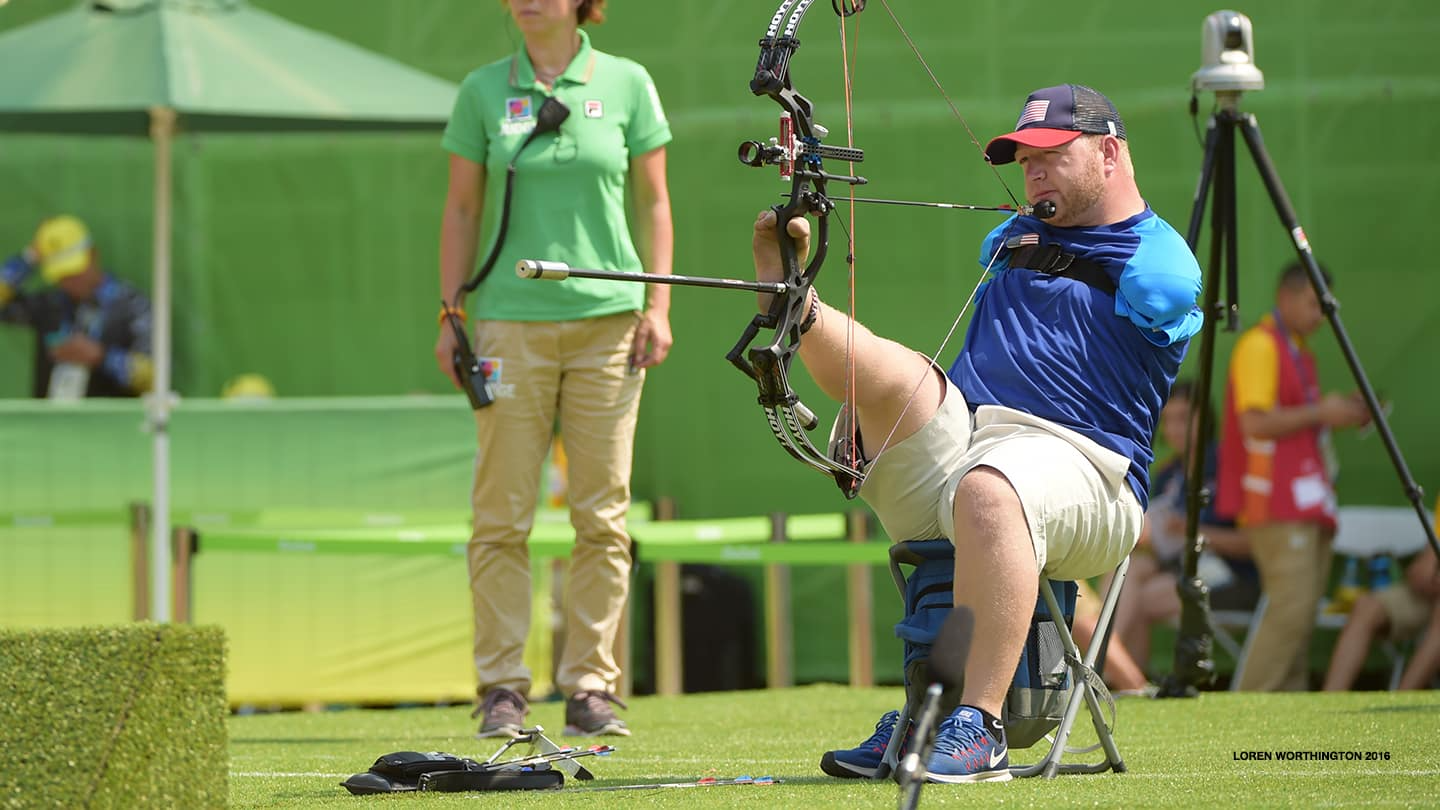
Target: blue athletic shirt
{"points": [[1064, 351]]}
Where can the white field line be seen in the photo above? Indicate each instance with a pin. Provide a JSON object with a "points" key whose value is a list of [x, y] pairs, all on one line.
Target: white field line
{"points": [[1287, 774]]}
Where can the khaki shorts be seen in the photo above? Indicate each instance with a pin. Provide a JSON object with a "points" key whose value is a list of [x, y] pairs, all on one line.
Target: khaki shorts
{"points": [[1083, 517], [1408, 612]]}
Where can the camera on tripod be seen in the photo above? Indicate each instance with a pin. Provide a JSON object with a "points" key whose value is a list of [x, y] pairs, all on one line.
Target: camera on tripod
{"points": [[1227, 50], [1229, 55]]}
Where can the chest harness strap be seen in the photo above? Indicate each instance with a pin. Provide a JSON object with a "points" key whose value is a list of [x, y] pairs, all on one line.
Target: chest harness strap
{"points": [[1052, 261]]}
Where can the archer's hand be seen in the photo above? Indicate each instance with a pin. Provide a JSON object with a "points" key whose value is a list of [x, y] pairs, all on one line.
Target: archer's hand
{"points": [[652, 339], [766, 247], [445, 346]]}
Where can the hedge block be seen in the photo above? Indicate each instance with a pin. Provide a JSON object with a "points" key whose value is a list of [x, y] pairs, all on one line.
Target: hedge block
{"points": [[113, 717]]}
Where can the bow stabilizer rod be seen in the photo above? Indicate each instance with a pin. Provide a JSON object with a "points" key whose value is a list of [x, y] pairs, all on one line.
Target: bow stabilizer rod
{"points": [[1041, 210], [559, 271]]}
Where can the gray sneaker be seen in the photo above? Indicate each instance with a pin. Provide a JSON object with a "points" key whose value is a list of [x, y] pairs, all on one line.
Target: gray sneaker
{"points": [[504, 711], [588, 714]]}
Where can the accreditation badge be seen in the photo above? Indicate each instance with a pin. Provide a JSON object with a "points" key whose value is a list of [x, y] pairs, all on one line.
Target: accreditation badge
{"points": [[518, 110]]}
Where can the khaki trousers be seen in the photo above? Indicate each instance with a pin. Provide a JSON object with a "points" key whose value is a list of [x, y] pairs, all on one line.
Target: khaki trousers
{"points": [[1294, 564], [576, 371]]}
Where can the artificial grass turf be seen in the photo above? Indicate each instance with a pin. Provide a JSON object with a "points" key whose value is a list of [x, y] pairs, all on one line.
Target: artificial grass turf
{"points": [[115, 716], [1180, 753]]}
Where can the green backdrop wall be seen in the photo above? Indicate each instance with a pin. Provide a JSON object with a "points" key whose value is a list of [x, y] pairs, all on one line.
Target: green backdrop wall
{"points": [[311, 258]]}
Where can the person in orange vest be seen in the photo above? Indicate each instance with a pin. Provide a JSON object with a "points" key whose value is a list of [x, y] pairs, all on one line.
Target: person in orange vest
{"points": [[1277, 473]]}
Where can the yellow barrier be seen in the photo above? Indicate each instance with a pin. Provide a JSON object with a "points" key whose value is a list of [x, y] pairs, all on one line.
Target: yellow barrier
{"points": [[318, 555]]}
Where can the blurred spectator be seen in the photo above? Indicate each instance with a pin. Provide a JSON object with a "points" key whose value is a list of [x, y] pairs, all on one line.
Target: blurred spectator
{"points": [[1402, 611], [1277, 473], [92, 330], [1151, 592], [1122, 673], [592, 194]]}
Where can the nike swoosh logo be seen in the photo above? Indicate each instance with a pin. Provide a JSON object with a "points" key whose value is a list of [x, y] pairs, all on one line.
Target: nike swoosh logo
{"points": [[996, 756]]}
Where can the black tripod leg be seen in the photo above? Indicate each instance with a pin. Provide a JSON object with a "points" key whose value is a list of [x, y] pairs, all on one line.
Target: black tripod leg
{"points": [[1202, 189], [1331, 308], [1194, 665]]}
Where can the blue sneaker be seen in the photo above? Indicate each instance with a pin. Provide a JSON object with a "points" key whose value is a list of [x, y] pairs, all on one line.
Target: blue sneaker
{"points": [[967, 751], [862, 761]]}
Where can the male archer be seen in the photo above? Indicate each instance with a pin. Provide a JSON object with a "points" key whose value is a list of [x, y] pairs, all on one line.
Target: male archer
{"points": [[1031, 455]]}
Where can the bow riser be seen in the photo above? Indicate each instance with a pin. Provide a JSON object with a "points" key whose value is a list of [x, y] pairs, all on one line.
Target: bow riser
{"points": [[799, 154]]}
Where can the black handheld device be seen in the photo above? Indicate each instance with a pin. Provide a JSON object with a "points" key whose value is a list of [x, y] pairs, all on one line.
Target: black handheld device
{"points": [[468, 370]]}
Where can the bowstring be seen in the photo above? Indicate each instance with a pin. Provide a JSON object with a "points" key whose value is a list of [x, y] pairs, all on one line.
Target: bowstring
{"points": [[852, 422], [954, 110], [954, 325], [999, 247]]}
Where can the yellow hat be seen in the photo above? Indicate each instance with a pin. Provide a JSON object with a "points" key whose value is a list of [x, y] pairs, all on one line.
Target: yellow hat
{"points": [[63, 245], [249, 387]]}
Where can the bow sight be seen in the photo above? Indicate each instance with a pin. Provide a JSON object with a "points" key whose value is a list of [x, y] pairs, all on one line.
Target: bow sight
{"points": [[799, 154], [788, 149]]}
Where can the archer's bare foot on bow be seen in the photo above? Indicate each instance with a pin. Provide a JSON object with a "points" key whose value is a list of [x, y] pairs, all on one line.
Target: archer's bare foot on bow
{"points": [[766, 247]]}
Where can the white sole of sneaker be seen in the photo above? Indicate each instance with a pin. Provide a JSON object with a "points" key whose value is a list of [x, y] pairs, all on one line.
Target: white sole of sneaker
{"points": [[1002, 775]]}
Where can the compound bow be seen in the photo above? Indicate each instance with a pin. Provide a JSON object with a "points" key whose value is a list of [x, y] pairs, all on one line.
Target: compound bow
{"points": [[799, 152]]}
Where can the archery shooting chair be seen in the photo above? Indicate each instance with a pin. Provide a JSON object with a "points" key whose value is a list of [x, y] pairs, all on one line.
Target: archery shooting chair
{"points": [[1051, 682]]}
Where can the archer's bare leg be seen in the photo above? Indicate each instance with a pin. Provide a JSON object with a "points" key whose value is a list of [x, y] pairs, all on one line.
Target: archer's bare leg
{"points": [[995, 577], [1366, 621], [893, 388]]}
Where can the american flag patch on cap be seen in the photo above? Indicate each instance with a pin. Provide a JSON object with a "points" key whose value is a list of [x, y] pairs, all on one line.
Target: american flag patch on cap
{"points": [[1034, 111]]}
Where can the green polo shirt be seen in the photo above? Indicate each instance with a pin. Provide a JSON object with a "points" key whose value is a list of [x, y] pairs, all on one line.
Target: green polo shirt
{"points": [[569, 201]]}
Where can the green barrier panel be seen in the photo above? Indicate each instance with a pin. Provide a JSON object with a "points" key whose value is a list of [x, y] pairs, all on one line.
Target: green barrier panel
{"points": [[547, 520], [356, 628], [63, 575], [810, 540], [740, 529], [546, 541], [311, 612], [68, 518], [815, 553]]}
